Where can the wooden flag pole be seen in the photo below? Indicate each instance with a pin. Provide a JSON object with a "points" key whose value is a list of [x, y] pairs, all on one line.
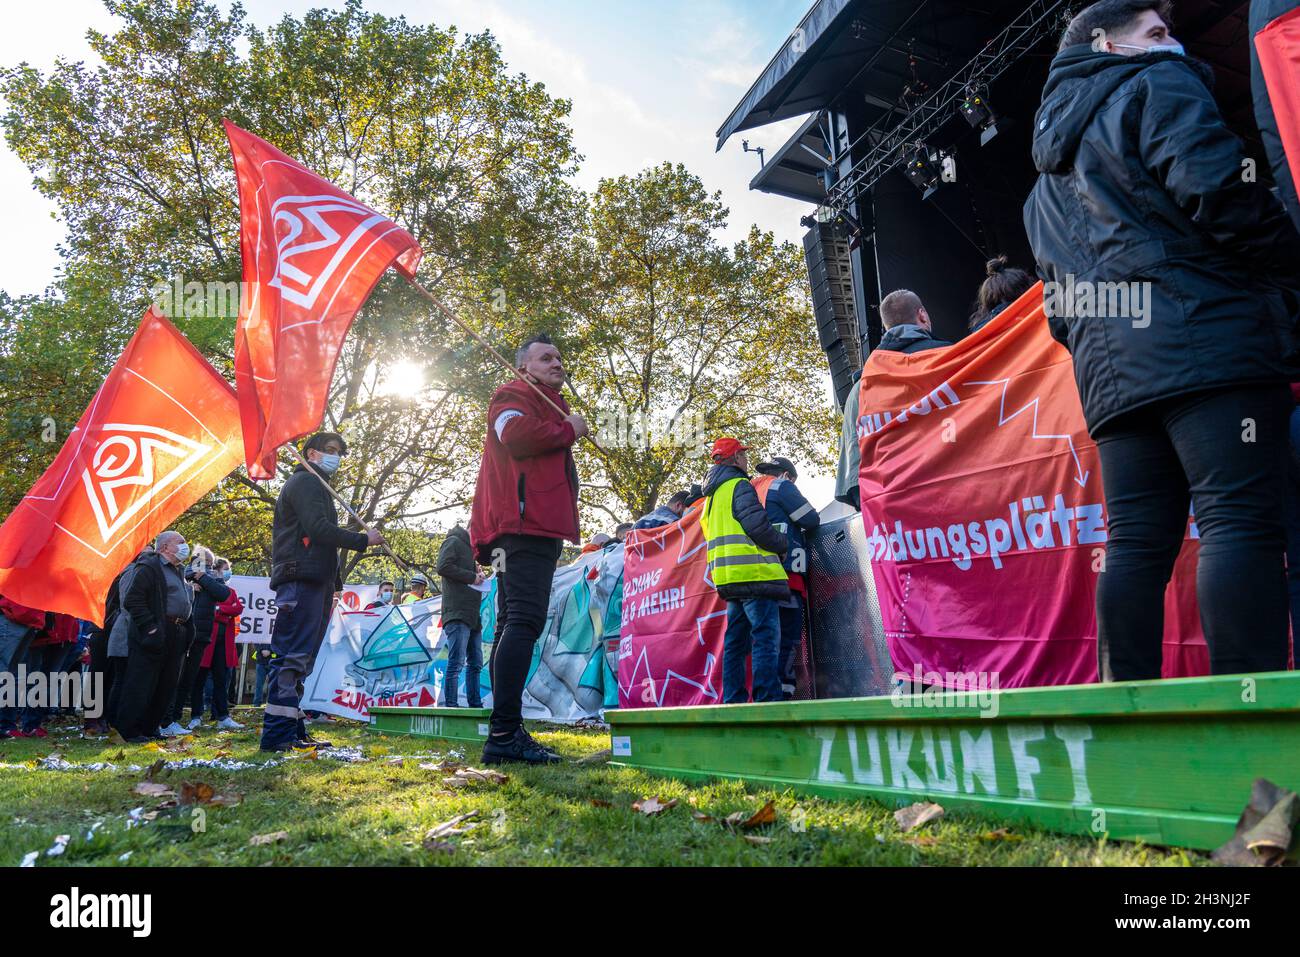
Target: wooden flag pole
{"points": [[406, 569], [437, 303]]}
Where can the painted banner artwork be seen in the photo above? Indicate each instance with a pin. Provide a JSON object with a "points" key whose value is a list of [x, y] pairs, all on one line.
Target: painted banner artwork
{"points": [[162, 430], [397, 656], [670, 652], [985, 521]]}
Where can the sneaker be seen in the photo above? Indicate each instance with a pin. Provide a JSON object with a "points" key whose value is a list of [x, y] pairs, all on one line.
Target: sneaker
{"points": [[173, 730], [229, 724], [195, 724], [519, 749], [8, 734], [139, 739]]}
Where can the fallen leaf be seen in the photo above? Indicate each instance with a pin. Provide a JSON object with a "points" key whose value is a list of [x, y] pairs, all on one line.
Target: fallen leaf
{"points": [[764, 815], [153, 789], [222, 753], [702, 817], [597, 802], [196, 792], [652, 805], [153, 746], [914, 815], [442, 847], [1001, 834], [467, 776], [226, 800], [758, 839], [154, 768], [257, 840], [922, 840], [396, 760], [435, 837]]}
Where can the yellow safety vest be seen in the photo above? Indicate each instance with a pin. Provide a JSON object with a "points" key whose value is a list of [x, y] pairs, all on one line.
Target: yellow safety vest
{"points": [[733, 556]]}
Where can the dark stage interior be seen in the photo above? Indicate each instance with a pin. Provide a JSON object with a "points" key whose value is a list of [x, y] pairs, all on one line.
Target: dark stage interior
{"points": [[859, 70]]}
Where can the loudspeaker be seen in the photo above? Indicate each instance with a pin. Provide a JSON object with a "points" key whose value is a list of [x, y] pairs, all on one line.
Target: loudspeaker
{"points": [[826, 253]]}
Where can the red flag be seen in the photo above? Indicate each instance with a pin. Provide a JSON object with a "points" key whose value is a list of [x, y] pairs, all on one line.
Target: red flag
{"points": [[1278, 46], [161, 431], [311, 254]]}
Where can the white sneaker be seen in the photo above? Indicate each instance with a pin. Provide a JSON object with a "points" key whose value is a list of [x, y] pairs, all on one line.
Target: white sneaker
{"points": [[230, 724], [194, 724], [173, 730]]}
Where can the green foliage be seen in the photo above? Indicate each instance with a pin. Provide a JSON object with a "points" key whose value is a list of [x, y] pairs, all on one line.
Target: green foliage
{"points": [[698, 339]]}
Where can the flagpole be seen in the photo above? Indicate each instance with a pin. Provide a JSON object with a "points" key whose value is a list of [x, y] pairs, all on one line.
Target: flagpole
{"points": [[406, 569], [415, 284]]}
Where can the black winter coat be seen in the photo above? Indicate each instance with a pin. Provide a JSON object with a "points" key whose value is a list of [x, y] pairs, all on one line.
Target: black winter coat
{"points": [[212, 592], [458, 570], [1141, 183], [146, 602], [305, 533], [751, 515]]}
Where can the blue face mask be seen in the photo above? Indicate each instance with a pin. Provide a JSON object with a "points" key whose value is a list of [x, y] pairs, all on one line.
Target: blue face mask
{"points": [[329, 464], [225, 575], [386, 595]]}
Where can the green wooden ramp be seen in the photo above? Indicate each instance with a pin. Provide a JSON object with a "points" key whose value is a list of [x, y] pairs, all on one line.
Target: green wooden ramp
{"points": [[468, 725], [1165, 762]]}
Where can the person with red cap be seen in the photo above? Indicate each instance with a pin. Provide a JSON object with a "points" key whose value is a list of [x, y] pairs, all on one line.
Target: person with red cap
{"points": [[525, 506], [744, 562]]}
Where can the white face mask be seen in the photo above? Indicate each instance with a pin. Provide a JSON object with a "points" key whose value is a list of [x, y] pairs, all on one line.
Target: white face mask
{"points": [[182, 551], [386, 595]]}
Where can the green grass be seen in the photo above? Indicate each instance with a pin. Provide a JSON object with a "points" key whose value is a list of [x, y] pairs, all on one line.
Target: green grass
{"points": [[378, 811]]}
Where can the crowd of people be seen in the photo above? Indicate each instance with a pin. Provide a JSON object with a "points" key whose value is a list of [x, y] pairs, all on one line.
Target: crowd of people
{"points": [[1139, 181]]}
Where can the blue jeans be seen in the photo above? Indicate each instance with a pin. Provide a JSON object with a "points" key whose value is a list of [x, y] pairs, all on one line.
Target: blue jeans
{"points": [[753, 629], [464, 647], [15, 639]]}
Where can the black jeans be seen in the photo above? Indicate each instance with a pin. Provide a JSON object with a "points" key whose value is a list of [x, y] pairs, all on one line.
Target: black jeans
{"points": [[185, 685], [217, 669], [1224, 452], [145, 684], [527, 567]]}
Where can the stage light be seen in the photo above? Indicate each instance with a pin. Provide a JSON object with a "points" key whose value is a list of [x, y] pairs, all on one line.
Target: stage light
{"points": [[922, 171], [854, 228], [978, 113]]}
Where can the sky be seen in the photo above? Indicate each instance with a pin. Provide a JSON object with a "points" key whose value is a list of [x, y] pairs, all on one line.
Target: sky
{"points": [[650, 80]]}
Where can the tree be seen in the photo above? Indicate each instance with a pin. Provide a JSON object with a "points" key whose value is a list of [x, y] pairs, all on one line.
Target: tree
{"points": [[683, 340], [422, 124]]}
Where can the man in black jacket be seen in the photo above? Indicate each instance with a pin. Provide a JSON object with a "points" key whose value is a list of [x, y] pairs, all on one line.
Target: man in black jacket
{"points": [[305, 543], [745, 565], [1161, 260], [907, 324], [155, 618], [461, 621]]}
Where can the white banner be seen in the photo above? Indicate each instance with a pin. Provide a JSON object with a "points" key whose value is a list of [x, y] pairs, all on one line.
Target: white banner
{"points": [[259, 605]]}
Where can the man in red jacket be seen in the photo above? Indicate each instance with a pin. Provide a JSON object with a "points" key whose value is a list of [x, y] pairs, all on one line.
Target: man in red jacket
{"points": [[525, 506]]}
